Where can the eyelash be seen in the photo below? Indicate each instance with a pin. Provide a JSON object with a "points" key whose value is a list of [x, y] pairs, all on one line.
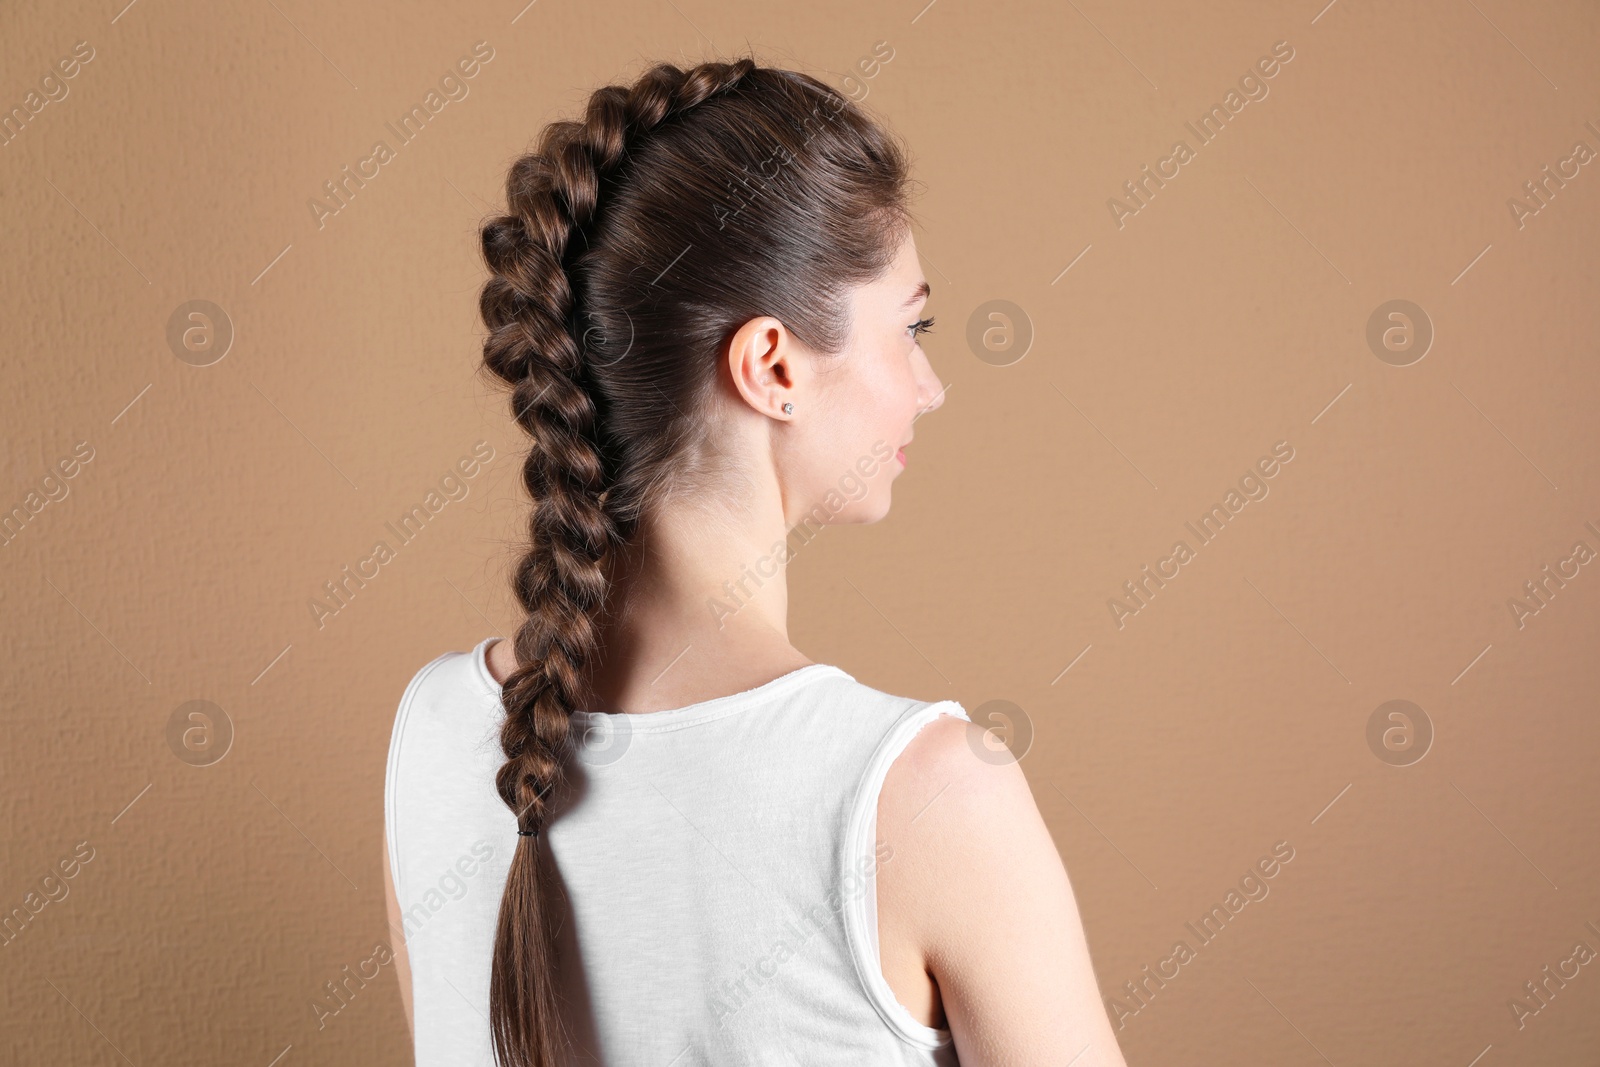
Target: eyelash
{"points": [[921, 326]]}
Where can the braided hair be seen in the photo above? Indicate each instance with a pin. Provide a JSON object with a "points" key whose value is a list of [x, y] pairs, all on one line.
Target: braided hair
{"points": [[634, 244]]}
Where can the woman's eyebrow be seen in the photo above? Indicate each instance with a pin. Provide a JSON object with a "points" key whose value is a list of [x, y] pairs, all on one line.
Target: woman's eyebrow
{"points": [[921, 291]]}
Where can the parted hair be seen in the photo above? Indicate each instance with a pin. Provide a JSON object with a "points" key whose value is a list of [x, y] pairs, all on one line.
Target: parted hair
{"points": [[634, 243]]}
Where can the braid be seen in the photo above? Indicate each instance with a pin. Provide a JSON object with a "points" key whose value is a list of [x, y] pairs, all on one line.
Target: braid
{"points": [[530, 308]]}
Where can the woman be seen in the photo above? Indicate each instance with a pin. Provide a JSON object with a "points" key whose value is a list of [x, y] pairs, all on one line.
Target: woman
{"points": [[648, 830]]}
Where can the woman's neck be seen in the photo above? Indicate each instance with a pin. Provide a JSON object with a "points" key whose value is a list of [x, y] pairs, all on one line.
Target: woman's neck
{"points": [[697, 608]]}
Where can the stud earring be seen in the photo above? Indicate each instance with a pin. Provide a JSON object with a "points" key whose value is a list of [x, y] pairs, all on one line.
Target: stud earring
{"points": [[788, 409]]}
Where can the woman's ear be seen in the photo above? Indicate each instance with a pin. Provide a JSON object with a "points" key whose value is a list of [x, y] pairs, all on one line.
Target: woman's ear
{"points": [[764, 362]]}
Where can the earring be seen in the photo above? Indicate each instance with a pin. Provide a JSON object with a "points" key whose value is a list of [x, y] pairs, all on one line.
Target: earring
{"points": [[788, 409]]}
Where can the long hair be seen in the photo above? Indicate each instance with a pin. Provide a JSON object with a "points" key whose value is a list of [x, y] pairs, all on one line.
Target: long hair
{"points": [[634, 244]]}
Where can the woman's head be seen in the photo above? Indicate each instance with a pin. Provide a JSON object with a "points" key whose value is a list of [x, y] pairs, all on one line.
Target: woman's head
{"points": [[728, 211], [704, 290]]}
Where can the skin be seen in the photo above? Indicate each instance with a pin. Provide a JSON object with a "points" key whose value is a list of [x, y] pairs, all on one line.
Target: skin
{"points": [[978, 927]]}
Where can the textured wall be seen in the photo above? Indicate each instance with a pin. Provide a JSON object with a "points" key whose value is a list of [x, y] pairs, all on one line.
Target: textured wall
{"points": [[188, 485]]}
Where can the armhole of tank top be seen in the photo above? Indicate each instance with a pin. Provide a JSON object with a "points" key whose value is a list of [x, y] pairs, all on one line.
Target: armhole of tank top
{"points": [[391, 783], [860, 854]]}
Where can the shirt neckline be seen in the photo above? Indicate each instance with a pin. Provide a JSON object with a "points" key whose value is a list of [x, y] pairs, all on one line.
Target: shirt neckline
{"points": [[672, 718]]}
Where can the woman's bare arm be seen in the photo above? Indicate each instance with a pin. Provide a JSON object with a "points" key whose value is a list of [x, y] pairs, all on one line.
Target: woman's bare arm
{"points": [[402, 962], [975, 882]]}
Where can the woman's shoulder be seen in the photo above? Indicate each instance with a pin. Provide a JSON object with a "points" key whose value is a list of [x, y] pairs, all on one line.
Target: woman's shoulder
{"points": [[946, 754], [457, 674], [837, 684], [958, 809], [450, 701], [439, 777]]}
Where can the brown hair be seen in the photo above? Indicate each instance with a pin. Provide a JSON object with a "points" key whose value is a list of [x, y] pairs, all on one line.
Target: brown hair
{"points": [[634, 244]]}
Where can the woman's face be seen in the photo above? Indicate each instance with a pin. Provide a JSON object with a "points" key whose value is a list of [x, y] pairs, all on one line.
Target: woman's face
{"points": [[865, 401]]}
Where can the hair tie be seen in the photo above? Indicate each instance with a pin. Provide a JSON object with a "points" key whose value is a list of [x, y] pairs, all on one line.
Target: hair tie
{"points": [[527, 833]]}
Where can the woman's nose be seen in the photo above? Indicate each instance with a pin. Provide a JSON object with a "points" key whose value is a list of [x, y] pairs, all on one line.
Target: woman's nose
{"points": [[930, 391]]}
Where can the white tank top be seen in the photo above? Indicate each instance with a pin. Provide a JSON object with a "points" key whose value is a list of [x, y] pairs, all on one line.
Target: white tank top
{"points": [[718, 861]]}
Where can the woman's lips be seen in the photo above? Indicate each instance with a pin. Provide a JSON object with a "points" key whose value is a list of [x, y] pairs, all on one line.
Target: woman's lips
{"points": [[900, 454]]}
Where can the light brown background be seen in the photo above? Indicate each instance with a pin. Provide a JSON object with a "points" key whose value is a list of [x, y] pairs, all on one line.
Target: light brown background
{"points": [[1228, 315]]}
